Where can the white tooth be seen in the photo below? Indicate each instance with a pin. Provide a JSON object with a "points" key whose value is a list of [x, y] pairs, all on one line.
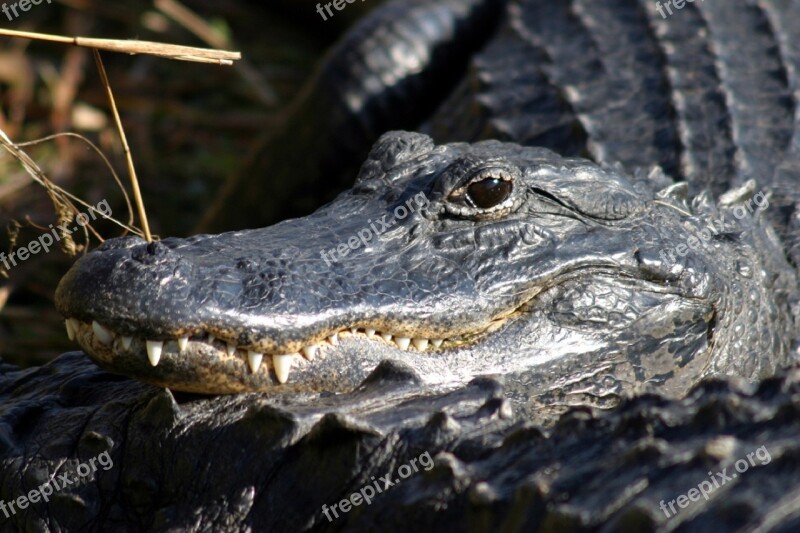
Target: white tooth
{"points": [[353, 330], [254, 359], [403, 342], [437, 342], [102, 334], [370, 332], [387, 337], [334, 339], [154, 351], [126, 342], [183, 343], [231, 348], [421, 344], [310, 352], [283, 365], [74, 325], [70, 331], [211, 338]]}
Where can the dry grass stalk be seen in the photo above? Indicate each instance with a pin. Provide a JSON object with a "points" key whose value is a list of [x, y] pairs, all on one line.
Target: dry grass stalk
{"points": [[137, 193], [169, 51], [65, 203]]}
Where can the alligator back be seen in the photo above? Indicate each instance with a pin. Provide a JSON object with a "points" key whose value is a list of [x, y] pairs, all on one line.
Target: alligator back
{"points": [[708, 92]]}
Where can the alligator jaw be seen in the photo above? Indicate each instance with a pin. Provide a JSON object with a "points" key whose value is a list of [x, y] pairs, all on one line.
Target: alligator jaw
{"points": [[208, 363], [223, 368]]}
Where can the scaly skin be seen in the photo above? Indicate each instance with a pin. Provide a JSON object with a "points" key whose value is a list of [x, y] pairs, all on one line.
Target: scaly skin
{"points": [[709, 95], [265, 463], [570, 278]]}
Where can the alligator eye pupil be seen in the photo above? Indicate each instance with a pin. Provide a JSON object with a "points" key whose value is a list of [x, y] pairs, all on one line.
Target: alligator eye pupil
{"points": [[489, 192]]}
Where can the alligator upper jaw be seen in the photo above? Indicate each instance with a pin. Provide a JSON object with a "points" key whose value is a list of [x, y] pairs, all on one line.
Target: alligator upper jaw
{"points": [[168, 329], [227, 314]]}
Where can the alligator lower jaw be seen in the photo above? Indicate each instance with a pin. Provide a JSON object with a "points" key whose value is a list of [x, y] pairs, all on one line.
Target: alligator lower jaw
{"points": [[206, 354]]}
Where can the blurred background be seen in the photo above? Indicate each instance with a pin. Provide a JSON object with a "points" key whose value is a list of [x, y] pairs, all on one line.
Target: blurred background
{"points": [[190, 126]]}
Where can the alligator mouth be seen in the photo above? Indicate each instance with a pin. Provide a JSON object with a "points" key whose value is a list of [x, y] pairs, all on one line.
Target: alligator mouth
{"points": [[207, 350]]}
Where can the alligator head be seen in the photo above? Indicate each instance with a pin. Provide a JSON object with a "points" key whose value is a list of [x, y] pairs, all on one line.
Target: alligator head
{"points": [[574, 281]]}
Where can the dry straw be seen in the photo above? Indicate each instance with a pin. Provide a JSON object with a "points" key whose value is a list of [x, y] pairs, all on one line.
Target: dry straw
{"points": [[169, 51]]}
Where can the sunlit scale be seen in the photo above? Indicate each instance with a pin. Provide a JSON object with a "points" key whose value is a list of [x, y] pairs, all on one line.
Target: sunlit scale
{"points": [[281, 363]]}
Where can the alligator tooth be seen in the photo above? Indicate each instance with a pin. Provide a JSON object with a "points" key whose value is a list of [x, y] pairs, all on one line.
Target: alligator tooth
{"points": [[254, 359], [421, 344], [403, 342], [370, 332], [310, 352], [283, 365], [183, 343], [211, 338], [126, 342], [387, 337], [334, 339], [353, 330], [102, 334], [70, 329], [437, 342], [154, 351], [231, 348]]}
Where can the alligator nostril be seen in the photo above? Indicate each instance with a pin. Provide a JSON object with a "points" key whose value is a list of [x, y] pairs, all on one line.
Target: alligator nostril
{"points": [[154, 252]]}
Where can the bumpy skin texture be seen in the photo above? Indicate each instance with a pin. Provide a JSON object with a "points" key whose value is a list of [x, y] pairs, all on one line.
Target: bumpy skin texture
{"points": [[255, 463], [617, 82], [578, 273], [609, 80]]}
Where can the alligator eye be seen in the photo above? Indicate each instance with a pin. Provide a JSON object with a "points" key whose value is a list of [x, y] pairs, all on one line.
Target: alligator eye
{"points": [[489, 192]]}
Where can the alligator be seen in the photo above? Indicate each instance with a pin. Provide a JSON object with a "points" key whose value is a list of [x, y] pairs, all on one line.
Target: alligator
{"points": [[515, 283], [458, 260]]}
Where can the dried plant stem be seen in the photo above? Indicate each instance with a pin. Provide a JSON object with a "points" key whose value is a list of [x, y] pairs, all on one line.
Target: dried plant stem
{"points": [[137, 194], [170, 51], [63, 201], [184, 53]]}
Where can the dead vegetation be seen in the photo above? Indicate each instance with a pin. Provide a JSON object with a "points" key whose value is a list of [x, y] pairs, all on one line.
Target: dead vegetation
{"points": [[188, 127]]}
